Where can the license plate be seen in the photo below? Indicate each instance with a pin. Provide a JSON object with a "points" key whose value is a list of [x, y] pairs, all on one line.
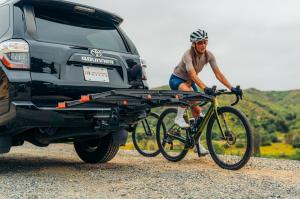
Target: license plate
{"points": [[95, 74]]}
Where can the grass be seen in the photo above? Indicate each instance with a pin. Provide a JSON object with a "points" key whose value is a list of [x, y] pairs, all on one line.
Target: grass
{"points": [[128, 146], [277, 150]]}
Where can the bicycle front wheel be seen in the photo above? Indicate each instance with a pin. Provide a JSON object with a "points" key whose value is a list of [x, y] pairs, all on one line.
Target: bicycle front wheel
{"points": [[233, 149], [171, 139], [143, 136]]}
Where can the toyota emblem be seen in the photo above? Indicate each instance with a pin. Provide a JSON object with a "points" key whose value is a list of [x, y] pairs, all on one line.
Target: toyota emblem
{"points": [[96, 53]]}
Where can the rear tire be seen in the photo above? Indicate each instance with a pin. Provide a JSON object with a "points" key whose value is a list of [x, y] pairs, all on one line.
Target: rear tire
{"points": [[97, 150]]}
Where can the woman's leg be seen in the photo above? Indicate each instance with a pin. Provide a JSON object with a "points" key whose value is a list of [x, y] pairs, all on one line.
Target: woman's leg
{"points": [[202, 150], [184, 87], [174, 84], [196, 110]]}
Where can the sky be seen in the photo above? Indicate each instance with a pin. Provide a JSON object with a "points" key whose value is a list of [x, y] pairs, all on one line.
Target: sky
{"points": [[256, 42]]}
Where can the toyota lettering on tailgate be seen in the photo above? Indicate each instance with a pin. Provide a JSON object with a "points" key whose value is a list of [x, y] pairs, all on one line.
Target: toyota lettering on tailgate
{"points": [[97, 60]]}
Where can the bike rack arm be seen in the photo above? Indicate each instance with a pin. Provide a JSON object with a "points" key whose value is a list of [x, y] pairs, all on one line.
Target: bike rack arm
{"points": [[153, 98]]}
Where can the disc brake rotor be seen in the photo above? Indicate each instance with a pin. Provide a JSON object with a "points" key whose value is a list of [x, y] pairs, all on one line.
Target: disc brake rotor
{"points": [[230, 138]]}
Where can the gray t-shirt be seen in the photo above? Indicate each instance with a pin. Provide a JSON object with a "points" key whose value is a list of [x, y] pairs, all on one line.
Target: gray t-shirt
{"points": [[186, 64]]}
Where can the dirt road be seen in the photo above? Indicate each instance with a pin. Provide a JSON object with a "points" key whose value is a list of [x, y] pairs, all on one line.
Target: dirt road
{"points": [[57, 172]]}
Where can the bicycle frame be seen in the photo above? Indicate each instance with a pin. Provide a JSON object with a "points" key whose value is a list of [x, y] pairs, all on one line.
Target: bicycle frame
{"points": [[213, 109]]}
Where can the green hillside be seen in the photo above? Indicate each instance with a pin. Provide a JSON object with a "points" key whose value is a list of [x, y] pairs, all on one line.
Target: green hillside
{"points": [[274, 117]]}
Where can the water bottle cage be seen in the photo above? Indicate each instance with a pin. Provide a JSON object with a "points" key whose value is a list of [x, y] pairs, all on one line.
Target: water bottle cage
{"points": [[196, 124]]}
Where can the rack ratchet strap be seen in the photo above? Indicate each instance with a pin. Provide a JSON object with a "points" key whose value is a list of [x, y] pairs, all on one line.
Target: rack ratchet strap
{"points": [[153, 98]]}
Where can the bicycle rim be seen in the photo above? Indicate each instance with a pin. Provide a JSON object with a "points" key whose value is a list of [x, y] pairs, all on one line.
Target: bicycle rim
{"points": [[234, 150], [171, 138], [144, 136]]}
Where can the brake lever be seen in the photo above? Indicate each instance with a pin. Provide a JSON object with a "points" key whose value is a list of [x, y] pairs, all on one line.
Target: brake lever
{"points": [[241, 96], [214, 88], [236, 101]]}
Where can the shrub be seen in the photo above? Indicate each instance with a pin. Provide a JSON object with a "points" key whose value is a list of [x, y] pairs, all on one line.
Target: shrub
{"points": [[291, 116], [265, 139], [274, 138], [296, 141], [256, 142], [240, 145], [293, 138], [282, 126], [296, 155], [289, 138]]}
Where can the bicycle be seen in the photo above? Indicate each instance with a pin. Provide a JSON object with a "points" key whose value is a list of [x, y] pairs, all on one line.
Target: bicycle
{"points": [[143, 135], [228, 134]]}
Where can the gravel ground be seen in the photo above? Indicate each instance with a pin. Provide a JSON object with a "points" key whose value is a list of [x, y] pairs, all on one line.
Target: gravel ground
{"points": [[57, 172]]}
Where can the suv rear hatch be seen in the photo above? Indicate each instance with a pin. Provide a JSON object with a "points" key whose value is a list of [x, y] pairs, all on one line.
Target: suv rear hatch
{"points": [[74, 50]]}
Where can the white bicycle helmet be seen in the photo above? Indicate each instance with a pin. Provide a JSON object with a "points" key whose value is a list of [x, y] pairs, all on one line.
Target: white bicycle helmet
{"points": [[198, 35]]}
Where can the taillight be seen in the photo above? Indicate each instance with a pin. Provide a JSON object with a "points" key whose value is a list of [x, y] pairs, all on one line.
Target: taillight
{"points": [[144, 66], [14, 54]]}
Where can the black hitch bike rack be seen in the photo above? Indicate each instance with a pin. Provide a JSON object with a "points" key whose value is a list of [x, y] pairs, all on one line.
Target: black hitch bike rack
{"points": [[138, 98]]}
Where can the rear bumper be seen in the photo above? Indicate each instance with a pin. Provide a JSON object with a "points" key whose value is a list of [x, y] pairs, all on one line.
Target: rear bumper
{"points": [[24, 115]]}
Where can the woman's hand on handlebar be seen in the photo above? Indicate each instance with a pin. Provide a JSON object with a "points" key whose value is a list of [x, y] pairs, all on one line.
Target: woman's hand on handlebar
{"points": [[209, 91], [237, 91]]}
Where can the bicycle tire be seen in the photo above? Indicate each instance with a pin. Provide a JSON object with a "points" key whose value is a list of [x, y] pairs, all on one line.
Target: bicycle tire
{"points": [[246, 156], [161, 146], [136, 144]]}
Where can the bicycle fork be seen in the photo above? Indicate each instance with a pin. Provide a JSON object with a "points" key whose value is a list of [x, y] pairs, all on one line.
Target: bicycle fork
{"points": [[146, 127], [218, 119]]}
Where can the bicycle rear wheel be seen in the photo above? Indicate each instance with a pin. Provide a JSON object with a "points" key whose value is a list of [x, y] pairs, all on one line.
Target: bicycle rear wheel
{"points": [[143, 136], [171, 139], [234, 150]]}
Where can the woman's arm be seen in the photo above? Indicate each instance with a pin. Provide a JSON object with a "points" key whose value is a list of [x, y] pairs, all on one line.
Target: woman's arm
{"points": [[219, 75], [193, 75]]}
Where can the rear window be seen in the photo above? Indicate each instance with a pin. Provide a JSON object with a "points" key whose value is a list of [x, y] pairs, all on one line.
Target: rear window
{"points": [[77, 30], [4, 19]]}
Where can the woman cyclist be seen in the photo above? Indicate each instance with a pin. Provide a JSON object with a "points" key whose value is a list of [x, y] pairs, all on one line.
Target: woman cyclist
{"points": [[185, 76]]}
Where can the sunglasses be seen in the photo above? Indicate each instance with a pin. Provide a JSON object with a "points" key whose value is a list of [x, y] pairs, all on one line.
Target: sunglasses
{"points": [[202, 42]]}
